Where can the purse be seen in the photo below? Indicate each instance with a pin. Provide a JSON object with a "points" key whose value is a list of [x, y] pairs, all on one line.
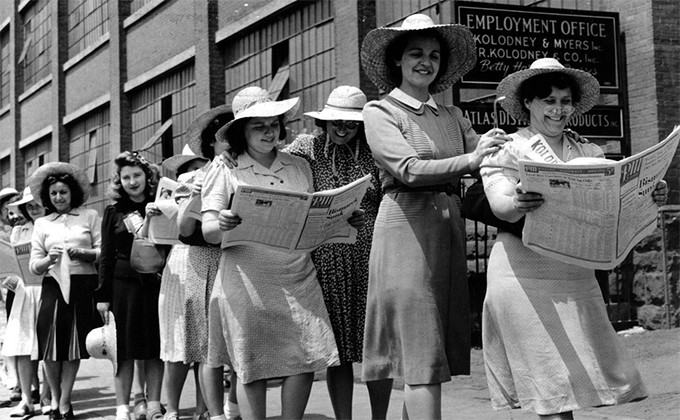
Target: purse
{"points": [[475, 206], [146, 257]]}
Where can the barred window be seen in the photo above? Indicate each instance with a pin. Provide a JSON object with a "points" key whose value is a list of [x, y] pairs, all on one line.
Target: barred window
{"points": [[35, 56], [5, 172], [88, 21], [5, 67], [138, 4], [36, 154]]}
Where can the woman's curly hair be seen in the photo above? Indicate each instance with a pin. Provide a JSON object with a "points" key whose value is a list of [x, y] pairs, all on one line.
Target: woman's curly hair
{"points": [[77, 194], [151, 171]]}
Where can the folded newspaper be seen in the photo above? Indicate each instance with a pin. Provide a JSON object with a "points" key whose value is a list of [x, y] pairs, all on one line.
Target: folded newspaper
{"points": [[295, 221], [163, 229], [595, 210], [14, 260]]}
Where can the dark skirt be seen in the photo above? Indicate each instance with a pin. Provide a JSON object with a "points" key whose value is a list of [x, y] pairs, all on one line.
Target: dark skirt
{"points": [[61, 327], [135, 307]]}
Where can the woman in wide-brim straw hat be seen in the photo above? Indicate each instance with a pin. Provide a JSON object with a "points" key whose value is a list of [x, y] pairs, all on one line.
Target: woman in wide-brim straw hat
{"points": [[287, 324], [69, 235], [418, 316], [534, 299], [339, 154]]}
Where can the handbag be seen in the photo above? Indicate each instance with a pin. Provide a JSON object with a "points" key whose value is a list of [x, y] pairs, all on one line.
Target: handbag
{"points": [[146, 257], [475, 206]]}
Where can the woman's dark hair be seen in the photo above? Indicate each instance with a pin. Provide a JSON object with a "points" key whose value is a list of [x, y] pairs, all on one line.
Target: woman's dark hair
{"points": [[237, 137], [395, 50], [541, 86], [208, 134], [77, 194], [134, 159], [322, 124]]}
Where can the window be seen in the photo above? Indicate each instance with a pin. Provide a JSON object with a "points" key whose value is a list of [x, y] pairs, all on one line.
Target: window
{"points": [[88, 21], [5, 67], [5, 168], [138, 4], [35, 155], [35, 56]]}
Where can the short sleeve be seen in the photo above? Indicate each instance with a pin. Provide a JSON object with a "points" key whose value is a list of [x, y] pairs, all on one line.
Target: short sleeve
{"points": [[218, 187], [503, 164]]}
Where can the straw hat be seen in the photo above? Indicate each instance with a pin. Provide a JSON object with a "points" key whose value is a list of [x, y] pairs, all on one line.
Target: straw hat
{"points": [[200, 123], [57, 168], [26, 197], [458, 43], [101, 342], [175, 162], [7, 193], [510, 86], [344, 103], [254, 101]]}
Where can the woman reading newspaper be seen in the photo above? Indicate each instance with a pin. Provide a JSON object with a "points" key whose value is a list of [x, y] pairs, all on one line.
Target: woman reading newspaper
{"points": [[278, 325], [549, 347]]}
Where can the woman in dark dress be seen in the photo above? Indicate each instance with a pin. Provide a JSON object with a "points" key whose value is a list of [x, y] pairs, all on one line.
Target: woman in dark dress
{"points": [[130, 296]]}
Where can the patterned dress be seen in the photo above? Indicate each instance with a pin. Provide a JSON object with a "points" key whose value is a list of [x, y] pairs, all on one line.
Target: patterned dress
{"points": [[276, 321], [343, 268], [418, 310], [549, 346], [188, 279]]}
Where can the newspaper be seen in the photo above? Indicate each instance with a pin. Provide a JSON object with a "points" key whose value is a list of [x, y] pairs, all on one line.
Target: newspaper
{"points": [[163, 229], [295, 221], [14, 262], [595, 210]]}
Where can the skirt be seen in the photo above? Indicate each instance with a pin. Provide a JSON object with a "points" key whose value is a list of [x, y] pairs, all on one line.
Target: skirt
{"points": [[61, 327], [21, 338]]}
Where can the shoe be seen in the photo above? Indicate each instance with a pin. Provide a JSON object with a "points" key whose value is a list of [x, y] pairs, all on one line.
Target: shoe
{"points": [[154, 415], [140, 410], [203, 416], [15, 395], [172, 416], [123, 416], [21, 410], [55, 415], [69, 414], [35, 396], [46, 406]]}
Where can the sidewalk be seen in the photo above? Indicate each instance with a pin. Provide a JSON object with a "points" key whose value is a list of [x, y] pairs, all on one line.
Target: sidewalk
{"points": [[656, 353]]}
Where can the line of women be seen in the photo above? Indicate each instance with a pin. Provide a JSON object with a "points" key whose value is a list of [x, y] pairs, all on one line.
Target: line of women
{"points": [[395, 301]]}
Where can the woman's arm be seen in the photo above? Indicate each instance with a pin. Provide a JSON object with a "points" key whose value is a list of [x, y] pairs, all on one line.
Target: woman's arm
{"points": [[107, 258]]}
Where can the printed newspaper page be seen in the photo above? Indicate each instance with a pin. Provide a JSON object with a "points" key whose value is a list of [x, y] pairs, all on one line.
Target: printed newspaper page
{"points": [[595, 211], [295, 221], [9, 264], [163, 229]]}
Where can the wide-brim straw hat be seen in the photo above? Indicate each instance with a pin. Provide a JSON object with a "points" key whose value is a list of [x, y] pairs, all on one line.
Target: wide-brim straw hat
{"points": [[195, 130], [101, 343], [26, 198], [58, 168], [175, 162], [255, 102], [509, 87], [458, 43], [344, 103]]}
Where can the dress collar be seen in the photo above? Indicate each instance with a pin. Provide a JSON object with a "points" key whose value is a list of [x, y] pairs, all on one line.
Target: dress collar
{"points": [[413, 103], [281, 160], [55, 216]]}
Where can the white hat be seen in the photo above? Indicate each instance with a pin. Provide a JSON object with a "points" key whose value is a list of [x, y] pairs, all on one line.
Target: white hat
{"points": [[459, 45], [27, 197], [8, 192], [175, 162], [344, 103], [254, 101], [587, 84], [101, 342]]}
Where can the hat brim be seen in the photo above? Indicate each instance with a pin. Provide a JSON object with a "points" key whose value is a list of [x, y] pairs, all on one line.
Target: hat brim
{"points": [[57, 168], [286, 108], [195, 129], [173, 163], [6, 193], [509, 87], [27, 198], [108, 349], [458, 42], [327, 114]]}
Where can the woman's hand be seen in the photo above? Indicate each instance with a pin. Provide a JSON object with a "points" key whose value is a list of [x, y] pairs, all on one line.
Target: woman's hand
{"points": [[75, 253], [196, 188], [526, 202], [54, 253], [152, 210], [228, 159], [490, 142], [660, 193], [103, 309], [228, 220], [357, 219]]}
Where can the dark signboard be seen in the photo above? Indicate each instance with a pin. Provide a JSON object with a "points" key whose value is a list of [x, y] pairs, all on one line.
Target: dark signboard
{"points": [[510, 38], [600, 122]]}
